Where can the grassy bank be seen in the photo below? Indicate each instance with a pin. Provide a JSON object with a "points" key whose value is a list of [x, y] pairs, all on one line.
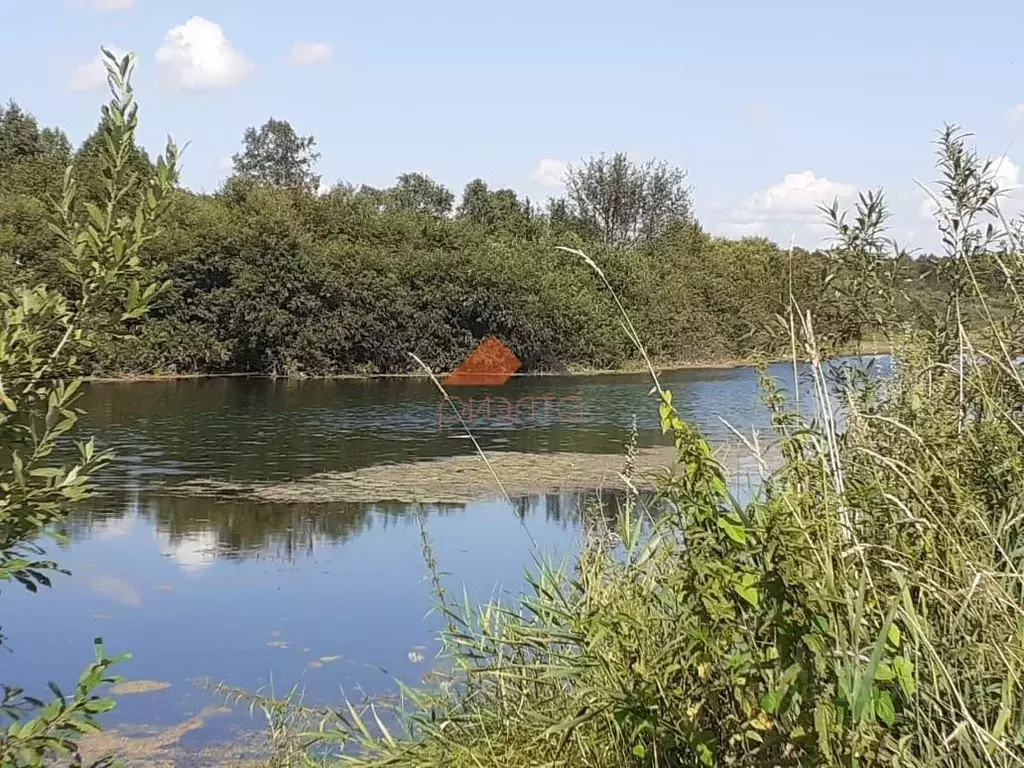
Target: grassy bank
{"points": [[633, 366]]}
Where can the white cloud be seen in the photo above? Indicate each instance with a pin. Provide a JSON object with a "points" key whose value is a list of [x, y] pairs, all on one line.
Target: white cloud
{"points": [[550, 172], [112, 5], [789, 208], [310, 54], [1007, 174], [323, 189], [197, 56], [1016, 114], [928, 208], [92, 75]]}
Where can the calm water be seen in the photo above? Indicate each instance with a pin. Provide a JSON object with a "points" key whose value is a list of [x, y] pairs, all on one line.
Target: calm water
{"points": [[250, 594]]}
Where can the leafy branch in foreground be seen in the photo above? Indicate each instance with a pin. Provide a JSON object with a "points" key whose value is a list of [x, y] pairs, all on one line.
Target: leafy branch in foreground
{"points": [[43, 333]]}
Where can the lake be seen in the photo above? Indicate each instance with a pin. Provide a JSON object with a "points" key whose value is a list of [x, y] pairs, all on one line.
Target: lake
{"points": [[327, 594]]}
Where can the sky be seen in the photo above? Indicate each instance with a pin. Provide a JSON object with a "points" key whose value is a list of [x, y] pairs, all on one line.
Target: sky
{"points": [[772, 108]]}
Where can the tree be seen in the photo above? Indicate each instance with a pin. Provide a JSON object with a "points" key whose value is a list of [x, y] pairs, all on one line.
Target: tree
{"points": [[500, 208], [417, 192], [626, 204], [277, 156], [31, 159]]}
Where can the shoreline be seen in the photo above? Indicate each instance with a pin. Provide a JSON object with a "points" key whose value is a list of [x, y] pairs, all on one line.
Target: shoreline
{"points": [[634, 367]]}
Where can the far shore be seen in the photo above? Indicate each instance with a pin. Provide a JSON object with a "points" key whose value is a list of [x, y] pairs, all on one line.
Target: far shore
{"points": [[632, 367]]}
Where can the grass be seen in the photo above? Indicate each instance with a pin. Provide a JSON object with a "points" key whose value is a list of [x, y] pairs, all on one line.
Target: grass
{"points": [[865, 608]]}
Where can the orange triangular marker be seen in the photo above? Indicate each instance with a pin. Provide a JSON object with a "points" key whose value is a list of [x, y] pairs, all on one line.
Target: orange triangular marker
{"points": [[491, 363]]}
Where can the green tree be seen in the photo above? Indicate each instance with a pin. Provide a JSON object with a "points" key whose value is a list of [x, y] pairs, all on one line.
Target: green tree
{"points": [[31, 159], [499, 208], [43, 334], [277, 156], [418, 193], [625, 204]]}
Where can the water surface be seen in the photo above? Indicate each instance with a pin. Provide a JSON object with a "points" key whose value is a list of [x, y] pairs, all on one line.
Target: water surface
{"points": [[329, 596]]}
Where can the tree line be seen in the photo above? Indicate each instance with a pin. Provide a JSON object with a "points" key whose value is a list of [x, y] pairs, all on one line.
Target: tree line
{"points": [[275, 273]]}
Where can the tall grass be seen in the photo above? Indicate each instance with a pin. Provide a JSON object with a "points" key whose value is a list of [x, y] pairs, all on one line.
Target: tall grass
{"points": [[865, 608]]}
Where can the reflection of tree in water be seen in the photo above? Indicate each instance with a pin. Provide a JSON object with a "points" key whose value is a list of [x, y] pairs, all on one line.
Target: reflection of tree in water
{"points": [[571, 510], [241, 529]]}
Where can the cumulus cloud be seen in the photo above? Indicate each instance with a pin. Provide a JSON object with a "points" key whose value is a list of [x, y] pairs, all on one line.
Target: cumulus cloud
{"points": [[790, 205], [927, 209], [1007, 176], [550, 172], [92, 75], [112, 5], [310, 54], [1016, 114], [197, 56]]}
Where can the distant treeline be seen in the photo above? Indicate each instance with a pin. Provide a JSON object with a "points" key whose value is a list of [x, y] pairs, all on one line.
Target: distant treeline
{"points": [[272, 273]]}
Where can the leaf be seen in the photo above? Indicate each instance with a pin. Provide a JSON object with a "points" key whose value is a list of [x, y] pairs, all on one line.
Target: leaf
{"points": [[745, 588], [733, 526], [904, 670], [894, 635], [884, 707], [884, 673], [865, 683], [640, 751]]}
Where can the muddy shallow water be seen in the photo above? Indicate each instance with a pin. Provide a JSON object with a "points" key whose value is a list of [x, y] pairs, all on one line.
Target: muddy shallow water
{"points": [[267, 534]]}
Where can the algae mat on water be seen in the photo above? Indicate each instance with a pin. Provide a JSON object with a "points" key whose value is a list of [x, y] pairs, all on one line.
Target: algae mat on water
{"points": [[457, 479]]}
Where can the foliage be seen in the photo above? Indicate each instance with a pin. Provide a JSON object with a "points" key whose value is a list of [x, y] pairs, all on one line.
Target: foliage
{"points": [[43, 336], [52, 731], [31, 159], [626, 203], [418, 193], [275, 155], [268, 277]]}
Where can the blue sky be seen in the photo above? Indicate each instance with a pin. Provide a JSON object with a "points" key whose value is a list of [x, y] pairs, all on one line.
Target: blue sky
{"points": [[771, 107]]}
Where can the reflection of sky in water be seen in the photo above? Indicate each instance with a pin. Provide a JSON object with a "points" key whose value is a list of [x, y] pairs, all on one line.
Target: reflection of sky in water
{"points": [[248, 593]]}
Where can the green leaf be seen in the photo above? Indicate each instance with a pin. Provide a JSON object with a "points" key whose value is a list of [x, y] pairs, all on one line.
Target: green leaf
{"points": [[640, 751], [904, 670], [894, 635], [885, 710], [733, 526], [745, 588], [884, 673]]}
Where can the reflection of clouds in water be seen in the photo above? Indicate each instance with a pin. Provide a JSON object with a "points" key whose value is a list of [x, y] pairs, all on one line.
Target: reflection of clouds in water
{"points": [[116, 589], [113, 528], [192, 551]]}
